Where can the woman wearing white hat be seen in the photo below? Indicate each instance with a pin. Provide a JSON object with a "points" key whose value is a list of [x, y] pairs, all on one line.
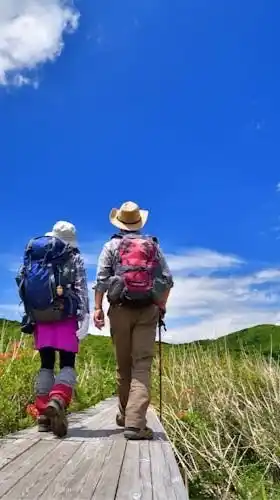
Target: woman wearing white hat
{"points": [[53, 394]]}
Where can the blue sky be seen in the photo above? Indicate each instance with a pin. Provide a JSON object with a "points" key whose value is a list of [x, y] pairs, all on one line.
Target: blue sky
{"points": [[174, 105]]}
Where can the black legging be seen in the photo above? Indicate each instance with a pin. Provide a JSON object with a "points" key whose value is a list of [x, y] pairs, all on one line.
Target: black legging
{"points": [[47, 355]]}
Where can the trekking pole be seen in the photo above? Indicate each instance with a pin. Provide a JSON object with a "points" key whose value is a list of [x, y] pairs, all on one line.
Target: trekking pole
{"points": [[161, 325]]}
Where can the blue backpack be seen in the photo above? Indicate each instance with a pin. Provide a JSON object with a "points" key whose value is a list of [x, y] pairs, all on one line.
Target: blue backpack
{"points": [[46, 280]]}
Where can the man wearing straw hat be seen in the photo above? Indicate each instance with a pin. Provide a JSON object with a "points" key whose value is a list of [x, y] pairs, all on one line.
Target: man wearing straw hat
{"points": [[134, 273]]}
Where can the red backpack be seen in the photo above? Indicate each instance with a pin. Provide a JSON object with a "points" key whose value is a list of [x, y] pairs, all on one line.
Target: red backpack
{"points": [[137, 265]]}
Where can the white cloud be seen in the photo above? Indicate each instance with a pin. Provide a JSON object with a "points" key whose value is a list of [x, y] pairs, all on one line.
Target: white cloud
{"points": [[91, 250], [278, 186], [221, 323], [31, 33], [10, 261], [207, 306], [267, 275], [90, 259], [11, 311], [200, 258]]}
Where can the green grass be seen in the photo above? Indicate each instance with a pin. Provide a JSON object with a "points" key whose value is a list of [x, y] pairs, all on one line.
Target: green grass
{"points": [[221, 404]]}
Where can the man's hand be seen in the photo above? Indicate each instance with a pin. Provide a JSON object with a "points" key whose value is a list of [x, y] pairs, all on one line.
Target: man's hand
{"points": [[161, 315], [98, 318], [162, 311]]}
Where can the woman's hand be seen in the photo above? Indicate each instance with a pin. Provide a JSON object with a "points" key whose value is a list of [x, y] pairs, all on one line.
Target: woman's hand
{"points": [[98, 318], [83, 328]]}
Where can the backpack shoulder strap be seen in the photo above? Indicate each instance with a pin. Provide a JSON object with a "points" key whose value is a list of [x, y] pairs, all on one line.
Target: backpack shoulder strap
{"points": [[30, 244], [50, 248], [154, 239], [122, 236], [74, 251], [116, 236], [34, 242], [33, 247]]}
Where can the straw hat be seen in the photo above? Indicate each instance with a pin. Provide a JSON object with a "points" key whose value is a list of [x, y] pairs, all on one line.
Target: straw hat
{"points": [[65, 231], [129, 217]]}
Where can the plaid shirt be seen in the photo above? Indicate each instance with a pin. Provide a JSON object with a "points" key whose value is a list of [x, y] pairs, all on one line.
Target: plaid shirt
{"points": [[107, 264], [80, 285]]}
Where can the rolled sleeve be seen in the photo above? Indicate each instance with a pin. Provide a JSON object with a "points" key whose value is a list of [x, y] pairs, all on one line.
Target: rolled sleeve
{"points": [[166, 273], [80, 286], [104, 269]]}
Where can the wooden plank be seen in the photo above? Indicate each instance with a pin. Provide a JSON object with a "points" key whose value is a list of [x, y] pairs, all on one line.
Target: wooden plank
{"points": [[146, 469], [135, 480], [171, 465], [174, 472], [103, 425], [86, 416], [108, 482], [10, 449], [155, 424], [95, 421], [81, 474], [22, 465], [162, 480], [43, 473]]}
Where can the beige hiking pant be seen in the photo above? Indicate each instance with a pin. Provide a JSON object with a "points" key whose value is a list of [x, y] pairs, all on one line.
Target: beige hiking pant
{"points": [[133, 333]]}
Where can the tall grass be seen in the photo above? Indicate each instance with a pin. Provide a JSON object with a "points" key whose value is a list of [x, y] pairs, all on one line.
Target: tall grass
{"points": [[222, 412]]}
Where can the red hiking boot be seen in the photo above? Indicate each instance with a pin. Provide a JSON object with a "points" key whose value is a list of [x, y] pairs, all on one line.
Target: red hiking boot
{"points": [[41, 402], [60, 397]]}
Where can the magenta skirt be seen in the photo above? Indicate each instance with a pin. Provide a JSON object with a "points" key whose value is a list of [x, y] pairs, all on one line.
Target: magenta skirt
{"points": [[60, 335]]}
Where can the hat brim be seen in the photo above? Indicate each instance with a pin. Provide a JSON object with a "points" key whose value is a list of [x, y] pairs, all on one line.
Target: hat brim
{"points": [[128, 227], [73, 243]]}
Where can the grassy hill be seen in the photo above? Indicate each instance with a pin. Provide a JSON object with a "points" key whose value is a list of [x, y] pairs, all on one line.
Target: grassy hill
{"points": [[262, 338], [10, 327]]}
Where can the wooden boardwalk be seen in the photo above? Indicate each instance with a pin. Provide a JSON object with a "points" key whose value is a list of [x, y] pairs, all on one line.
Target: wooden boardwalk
{"points": [[93, 462]]}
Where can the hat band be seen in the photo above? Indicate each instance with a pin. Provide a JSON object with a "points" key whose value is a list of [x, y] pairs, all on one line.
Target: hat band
{"points": [[129, 223]]}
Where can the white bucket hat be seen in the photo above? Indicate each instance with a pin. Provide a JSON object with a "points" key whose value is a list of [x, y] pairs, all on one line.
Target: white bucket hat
{"points": [[65, 231]]}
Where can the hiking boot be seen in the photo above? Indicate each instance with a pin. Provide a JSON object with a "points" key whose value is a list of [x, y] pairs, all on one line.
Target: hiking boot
{"points": [[44, 424], [56, 414], [120, 420], [132, 433]]}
